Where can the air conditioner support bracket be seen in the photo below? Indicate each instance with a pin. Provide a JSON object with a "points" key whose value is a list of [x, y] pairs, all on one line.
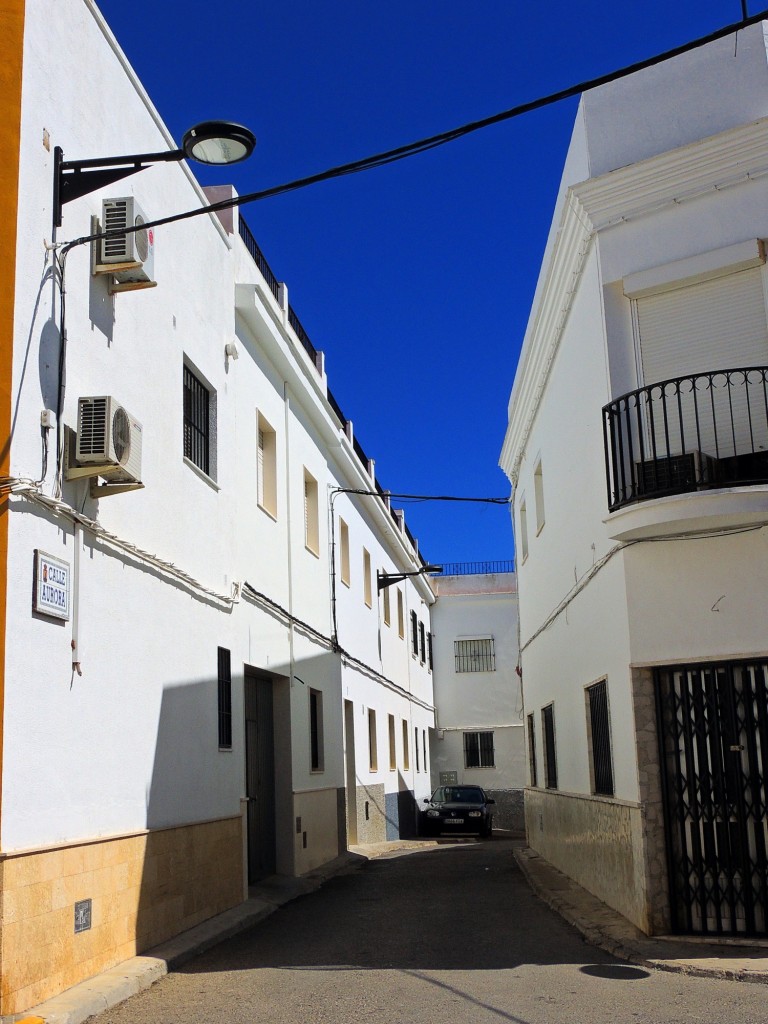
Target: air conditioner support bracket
{"points": [[98, 490], [82, 472]]}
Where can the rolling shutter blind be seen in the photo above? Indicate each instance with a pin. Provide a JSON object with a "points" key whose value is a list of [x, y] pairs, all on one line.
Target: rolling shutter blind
{"points": [[713, 325], [260, 468], [709, 326]]}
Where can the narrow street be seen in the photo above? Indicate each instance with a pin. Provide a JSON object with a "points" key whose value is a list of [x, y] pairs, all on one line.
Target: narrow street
{"points": [[446, 934]]}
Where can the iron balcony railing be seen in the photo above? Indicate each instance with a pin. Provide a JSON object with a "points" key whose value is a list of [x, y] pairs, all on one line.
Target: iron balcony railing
{"points": [[686, 434]]}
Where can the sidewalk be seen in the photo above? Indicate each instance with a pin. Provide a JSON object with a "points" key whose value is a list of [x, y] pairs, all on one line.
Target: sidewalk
{"points": [[740, 960], [132, 976]]}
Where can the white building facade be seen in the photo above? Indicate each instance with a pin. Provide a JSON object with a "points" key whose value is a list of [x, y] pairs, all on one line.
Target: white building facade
{"points": [[201, 684], [636, 446], [479, 731]]}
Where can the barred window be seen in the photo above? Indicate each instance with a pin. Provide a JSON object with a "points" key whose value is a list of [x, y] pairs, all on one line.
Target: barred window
{"points": [[422, 643], [532, 750], [475, 655], [478, 750], [198, 422], [414, 635], [600, 739], [550, 758], [225, 699]]}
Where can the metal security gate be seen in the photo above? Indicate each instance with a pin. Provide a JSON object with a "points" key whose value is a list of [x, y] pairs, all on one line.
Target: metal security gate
{"points": [[713, 735]]}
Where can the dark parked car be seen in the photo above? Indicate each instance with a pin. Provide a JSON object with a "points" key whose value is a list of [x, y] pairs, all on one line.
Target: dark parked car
{"points": [[457, 809]]}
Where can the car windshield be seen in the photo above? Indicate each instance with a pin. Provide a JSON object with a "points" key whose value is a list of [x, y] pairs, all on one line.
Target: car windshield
{"points": [[458, 794]]}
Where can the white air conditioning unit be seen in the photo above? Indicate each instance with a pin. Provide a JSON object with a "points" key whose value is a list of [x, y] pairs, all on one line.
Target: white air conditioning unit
{"points": [[130, 258], [109, 437]]}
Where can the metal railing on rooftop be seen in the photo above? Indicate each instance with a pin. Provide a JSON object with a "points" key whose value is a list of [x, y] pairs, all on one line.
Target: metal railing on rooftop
{"points": [[476, 568], [258, 257], [266, 272]]}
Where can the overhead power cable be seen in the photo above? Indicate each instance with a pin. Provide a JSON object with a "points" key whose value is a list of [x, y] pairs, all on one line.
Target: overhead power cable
{"points": [[420, 497], [433, 141]]}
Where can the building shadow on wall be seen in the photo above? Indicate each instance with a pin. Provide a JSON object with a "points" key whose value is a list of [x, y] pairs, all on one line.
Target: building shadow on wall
{"points": [[188, 873]]}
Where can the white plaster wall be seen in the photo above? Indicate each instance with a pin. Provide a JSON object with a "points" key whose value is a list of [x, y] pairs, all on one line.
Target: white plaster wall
{"points": [[476, 699], [509, 755], [697, 94], [698, 599], [590, 639]]}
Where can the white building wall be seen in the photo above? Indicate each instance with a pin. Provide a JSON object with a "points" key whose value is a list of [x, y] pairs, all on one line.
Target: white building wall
{"points": [[114, 786], [608, 596]]}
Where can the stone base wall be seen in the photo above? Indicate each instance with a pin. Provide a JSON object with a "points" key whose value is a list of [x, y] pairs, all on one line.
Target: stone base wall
{"points": [[401, 815], [371, 814], [596, 841], [651, 799], [317, 840], [509, 811], [143, 888]]}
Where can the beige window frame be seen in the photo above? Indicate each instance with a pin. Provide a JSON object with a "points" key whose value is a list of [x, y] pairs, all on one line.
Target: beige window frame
{"points": [[311, 514], [266, 466], [367, 589]]}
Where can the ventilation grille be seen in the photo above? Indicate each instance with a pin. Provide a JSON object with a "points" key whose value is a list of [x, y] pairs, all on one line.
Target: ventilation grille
{"points": [[116, 216], [92, 433]]}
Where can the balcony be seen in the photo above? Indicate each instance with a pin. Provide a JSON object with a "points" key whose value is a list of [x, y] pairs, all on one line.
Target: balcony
{"points": [[706, 432]]}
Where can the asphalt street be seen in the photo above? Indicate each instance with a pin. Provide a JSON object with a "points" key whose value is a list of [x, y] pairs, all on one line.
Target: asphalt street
{"points": [[446, 934]]}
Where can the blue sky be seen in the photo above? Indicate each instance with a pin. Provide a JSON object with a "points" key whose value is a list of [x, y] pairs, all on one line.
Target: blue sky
{"points": [[415, 279]]}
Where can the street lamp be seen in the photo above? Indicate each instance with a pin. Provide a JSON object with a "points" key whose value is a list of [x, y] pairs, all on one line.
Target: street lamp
{"points": [[386, 579], [210, 142]]}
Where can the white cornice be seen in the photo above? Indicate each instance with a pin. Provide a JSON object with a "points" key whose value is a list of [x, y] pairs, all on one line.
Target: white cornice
{"points": [[711, 164], [730, 158]]}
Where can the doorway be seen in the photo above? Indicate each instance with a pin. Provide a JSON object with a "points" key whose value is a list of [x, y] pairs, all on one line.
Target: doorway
{"points": [[350, 774], [260, 775], [713, 729]]}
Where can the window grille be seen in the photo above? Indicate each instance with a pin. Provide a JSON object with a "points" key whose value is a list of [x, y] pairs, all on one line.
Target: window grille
{"points": [[600, 738], [197, 401], [422, 643], [475, 655], [429, 652], [414, 635], [550, 759], [532, 750], [225, 699], [478, 750]]}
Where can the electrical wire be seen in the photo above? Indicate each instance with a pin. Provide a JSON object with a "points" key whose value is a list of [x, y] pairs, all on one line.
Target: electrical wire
{"points": [[432, 142], [421, 497], [593, 570], [330, 643]]}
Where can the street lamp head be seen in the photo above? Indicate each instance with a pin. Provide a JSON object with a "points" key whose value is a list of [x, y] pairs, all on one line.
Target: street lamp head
{"points": [[432, 568], [218, 142], [210, 142]]}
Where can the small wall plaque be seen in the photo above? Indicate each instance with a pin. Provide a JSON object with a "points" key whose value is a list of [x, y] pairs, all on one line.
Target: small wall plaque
{"points": [[52, 586], [449, 778], [82, 916]]}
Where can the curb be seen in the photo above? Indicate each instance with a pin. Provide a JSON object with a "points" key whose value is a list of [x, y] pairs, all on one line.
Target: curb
{"points": [[606, 929]]}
